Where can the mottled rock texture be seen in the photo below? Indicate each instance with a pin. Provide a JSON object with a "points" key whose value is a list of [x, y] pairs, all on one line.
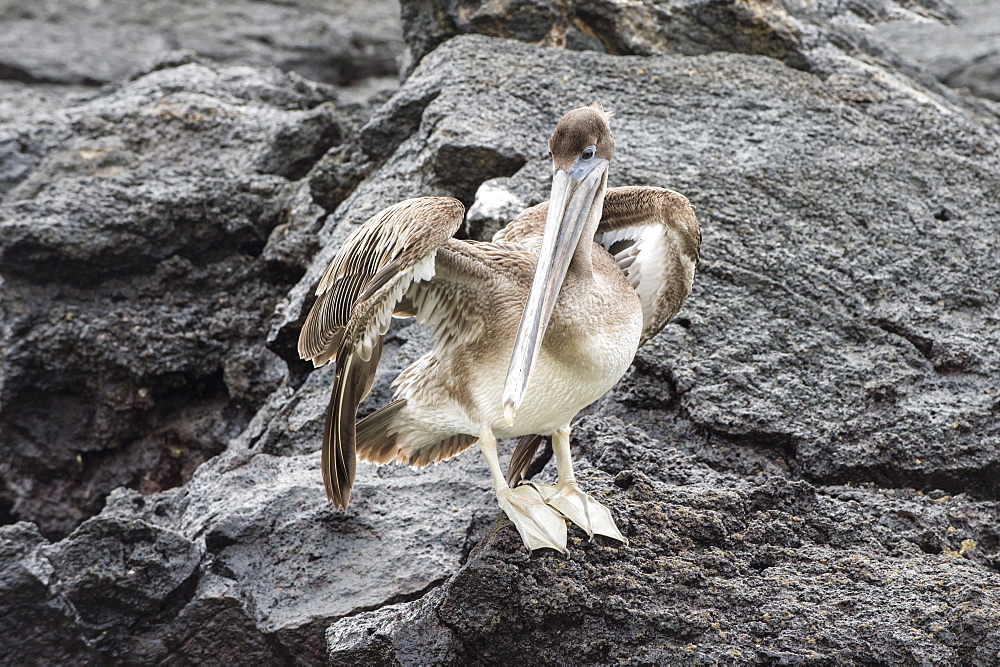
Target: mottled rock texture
{"points": [[228, 564], [722, 571], [804, 35], [805, 461], [137, 279]]}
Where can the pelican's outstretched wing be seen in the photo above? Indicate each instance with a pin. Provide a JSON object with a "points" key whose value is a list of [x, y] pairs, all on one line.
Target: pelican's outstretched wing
{"points": [[356, 298], [396, 245], [654, 237]]}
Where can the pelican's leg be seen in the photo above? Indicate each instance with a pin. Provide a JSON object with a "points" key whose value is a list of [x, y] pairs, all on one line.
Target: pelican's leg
{"points": [[567, 497], [540, 526]]}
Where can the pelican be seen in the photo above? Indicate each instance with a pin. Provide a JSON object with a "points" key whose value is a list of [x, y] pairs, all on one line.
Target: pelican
{"points": [[528, 329]]}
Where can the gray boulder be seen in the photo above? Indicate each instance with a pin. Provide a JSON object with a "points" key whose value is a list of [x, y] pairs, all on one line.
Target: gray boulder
{"points": [[716, 571], [247, 560], [36, 623], [81, 42], [964, 54], [810, 35], [140, 262]]}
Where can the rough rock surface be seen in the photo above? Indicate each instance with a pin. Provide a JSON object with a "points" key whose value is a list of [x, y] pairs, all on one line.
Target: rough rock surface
{"points": [[894, 40], [228, 565], [717, 570], [87, 42], [136, 242], [805, 462]]}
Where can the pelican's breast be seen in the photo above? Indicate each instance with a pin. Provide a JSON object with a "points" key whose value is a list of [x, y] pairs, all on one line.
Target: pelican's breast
{"points": [[588, 347]]}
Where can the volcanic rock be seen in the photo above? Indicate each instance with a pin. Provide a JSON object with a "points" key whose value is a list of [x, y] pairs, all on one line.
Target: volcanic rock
{"points": [[135, 286], [805, 461], [807, 35], [964, 54]]}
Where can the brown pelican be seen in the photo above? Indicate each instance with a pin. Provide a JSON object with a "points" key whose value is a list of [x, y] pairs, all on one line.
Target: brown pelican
{"points": [[529, 328]]}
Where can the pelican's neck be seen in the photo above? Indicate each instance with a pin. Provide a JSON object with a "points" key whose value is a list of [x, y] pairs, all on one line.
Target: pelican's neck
{"points": [[582, 264]]}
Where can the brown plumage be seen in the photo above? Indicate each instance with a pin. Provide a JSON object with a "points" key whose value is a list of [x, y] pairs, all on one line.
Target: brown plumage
{"points": [[612, 290], [354, 301]]}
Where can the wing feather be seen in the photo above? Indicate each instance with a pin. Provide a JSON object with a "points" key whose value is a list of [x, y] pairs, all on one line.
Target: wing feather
{"points": [[356, 298], [654, 237], [529, 223], [396, 244], [453, 305]]}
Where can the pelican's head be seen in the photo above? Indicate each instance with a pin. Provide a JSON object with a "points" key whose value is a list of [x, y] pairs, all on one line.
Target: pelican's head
{"points": [[582, 140], [581, 148]]}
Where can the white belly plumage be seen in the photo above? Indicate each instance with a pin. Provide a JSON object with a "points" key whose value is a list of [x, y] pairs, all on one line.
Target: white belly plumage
{"points": [[559, 387]]}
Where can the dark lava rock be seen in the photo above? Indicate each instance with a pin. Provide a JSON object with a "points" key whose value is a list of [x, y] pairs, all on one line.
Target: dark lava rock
{"points": [[774, 572], [139, 267], [805, 461], [36, 623], [92, 43], [249, 555], [246, 560], [113, 571]]}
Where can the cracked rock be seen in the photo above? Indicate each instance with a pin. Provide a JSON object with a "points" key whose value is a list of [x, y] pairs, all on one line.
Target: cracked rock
{"points": [[767, 571], [808, 35]]}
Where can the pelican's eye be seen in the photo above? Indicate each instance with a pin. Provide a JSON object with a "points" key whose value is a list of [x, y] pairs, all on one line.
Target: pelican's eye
{"points": [[588, 152]]}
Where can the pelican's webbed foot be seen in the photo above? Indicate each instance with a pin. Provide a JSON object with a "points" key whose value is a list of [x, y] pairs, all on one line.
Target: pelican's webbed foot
{"points": [[581, 509], [540, 526]]}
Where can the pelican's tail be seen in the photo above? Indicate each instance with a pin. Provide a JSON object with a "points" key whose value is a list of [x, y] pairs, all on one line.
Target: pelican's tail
{"points": [[378, 440], [520, 459]]}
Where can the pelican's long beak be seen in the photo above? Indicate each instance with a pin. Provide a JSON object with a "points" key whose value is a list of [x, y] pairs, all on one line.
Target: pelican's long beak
{"points": [[574, 200]]}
